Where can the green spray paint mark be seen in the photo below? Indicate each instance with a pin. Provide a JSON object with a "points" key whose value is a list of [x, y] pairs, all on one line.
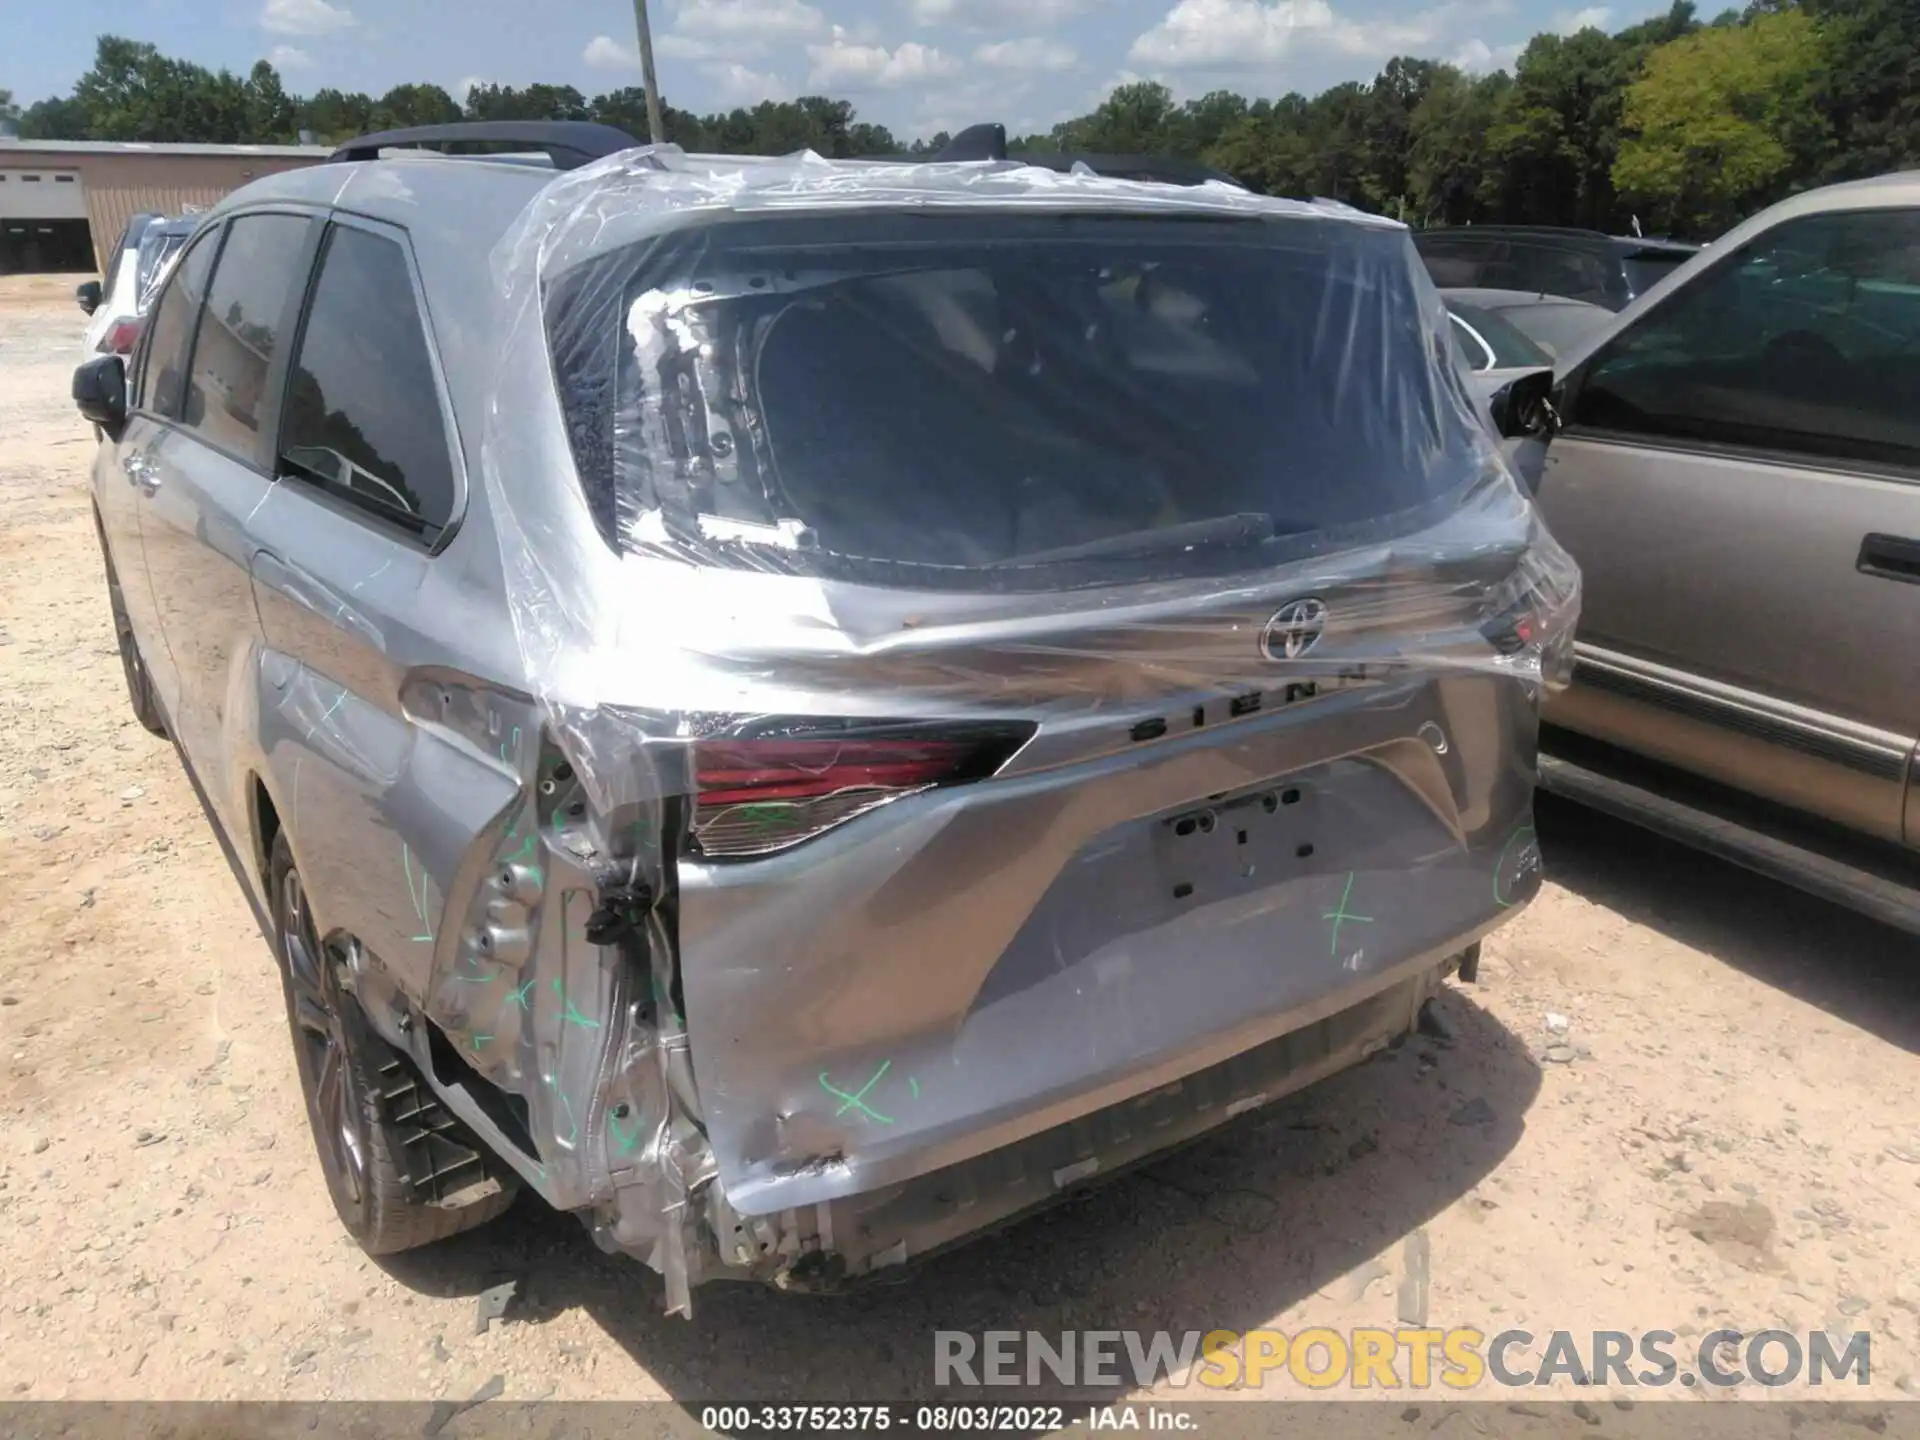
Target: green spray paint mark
{"points": [[914, 1086], [624, 1143], [765, 817], [338, 702], [525, 852], [519, 997], [1340, 915], [573, 1125], [420, 900], [513, 744], [570, 1014], [858, 1100], [480, 1040], [1500, 865]]}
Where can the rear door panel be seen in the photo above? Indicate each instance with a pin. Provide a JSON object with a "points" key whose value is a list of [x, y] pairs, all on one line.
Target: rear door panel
{"points": [[207, 478], [1727, 629]]}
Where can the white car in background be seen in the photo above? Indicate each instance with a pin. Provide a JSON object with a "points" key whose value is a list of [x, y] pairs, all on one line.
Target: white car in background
{"points": [[117, 306]]}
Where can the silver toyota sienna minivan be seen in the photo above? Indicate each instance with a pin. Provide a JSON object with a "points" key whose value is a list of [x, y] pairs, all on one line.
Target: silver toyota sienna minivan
{"points": [[804, 709]]}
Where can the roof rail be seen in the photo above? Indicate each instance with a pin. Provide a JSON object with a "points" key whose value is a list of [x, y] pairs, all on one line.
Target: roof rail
{"points": [[569, 144]]}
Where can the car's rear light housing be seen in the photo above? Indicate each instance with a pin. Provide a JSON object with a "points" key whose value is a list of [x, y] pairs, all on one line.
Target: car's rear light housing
{"points": [[121, 337], [1532, 612], [790, 781]]}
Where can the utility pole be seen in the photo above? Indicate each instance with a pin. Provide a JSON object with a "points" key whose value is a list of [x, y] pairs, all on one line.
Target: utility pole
{"points": [[656, 131]]}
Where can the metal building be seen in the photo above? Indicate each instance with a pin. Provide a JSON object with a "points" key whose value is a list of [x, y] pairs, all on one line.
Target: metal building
{"points": [[65, 203]]}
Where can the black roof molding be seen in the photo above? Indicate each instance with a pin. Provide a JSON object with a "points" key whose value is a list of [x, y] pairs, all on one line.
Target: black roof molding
{"points": [[569, 144]]}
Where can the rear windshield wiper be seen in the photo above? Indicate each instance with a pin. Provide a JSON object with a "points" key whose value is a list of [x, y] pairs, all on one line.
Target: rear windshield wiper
{"points": [[1226, 530]]}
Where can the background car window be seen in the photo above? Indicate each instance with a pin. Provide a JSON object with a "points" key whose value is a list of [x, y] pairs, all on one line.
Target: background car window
{"points": [[1807, 340], [1555, 327], [1505, 348], [239, 333], [1474, 352], [170, 333], [1552, 271], [363, 417], [1454, 263]]}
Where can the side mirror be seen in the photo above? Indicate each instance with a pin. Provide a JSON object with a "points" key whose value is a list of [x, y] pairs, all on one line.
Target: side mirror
{"points": [[100, 391], [1523, 408], [87, 296]]}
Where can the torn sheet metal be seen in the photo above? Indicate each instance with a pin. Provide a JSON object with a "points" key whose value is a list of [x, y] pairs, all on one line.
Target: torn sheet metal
{"points": [[1164, 506]]}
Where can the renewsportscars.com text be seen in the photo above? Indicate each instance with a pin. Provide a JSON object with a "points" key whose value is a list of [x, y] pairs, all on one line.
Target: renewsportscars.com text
{"points": [[1403, 1359]]}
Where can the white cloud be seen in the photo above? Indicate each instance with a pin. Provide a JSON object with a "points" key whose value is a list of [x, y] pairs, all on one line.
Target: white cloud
{"points": [[1029, 54], [461, 90], [763, 21], [995, 14], [289, 57], [1479, 58], [674, 46], [735, 84], [846, 64], [304, 17], [603, 52], [1596, 16], [1244, 34]]}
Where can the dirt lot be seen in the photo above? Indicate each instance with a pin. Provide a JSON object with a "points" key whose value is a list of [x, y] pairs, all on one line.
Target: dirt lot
{"points": [[1722, 1134]]}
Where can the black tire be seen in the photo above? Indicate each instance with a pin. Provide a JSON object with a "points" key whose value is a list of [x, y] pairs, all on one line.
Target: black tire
{"points": [[402, 1171], [146, 709]]}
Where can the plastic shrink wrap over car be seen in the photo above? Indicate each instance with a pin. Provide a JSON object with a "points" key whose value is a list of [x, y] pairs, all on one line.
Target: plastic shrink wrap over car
{"points": [[978, 444]]}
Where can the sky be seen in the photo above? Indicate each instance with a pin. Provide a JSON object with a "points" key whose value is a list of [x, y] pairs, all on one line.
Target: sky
{"points": [[917, 66]]}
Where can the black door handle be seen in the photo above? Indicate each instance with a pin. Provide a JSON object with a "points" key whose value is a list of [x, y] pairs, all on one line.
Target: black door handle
{"points": [[1891, 557]]}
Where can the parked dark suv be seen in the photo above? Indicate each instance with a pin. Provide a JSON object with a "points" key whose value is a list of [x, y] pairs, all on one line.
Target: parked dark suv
{"points": [[801, 709], [1609, 270]]}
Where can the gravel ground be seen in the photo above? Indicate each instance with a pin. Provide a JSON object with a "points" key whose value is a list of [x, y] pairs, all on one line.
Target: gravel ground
{"points": [[1680, 1098]]}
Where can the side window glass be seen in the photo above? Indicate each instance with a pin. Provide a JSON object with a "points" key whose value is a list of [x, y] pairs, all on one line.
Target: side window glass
{"points": [[363, 416], [1806, 341], [1474, 352], [163, 376], [239, 333]]}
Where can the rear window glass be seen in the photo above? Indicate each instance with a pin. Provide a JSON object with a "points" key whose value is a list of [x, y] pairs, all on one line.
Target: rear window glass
{"points": [[1646, 271], [1510, 349], [1554, 328], [1007, 401]]}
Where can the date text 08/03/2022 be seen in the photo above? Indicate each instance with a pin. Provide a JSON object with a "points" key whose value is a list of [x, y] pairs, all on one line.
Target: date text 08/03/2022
{"points": [[935, 1419]]}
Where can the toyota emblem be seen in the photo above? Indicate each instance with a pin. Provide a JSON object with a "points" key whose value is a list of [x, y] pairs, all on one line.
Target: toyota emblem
{"points": [[1294, 629]]}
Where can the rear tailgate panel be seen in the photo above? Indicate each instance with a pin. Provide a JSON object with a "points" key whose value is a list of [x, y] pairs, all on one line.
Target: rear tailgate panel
{"points": [[963, 969]]}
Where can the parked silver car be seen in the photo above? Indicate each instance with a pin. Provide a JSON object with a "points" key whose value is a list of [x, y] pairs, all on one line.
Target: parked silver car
{"points": [[1739, 479], [804, 709]]}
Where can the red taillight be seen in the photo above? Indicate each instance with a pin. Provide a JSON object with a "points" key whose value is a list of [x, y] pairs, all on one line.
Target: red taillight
{"points": [[763, 793], [121, 339]]}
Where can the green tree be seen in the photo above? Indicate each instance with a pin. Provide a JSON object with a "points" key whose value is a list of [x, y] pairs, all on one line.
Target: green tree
{"points": [[334, 116], [535, 102], [405, 106], [1873, 95], [272, 118], [133, 92], [1448, 170], [1133, 120], [1724, 120], [9, 112], [55, 118]]}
